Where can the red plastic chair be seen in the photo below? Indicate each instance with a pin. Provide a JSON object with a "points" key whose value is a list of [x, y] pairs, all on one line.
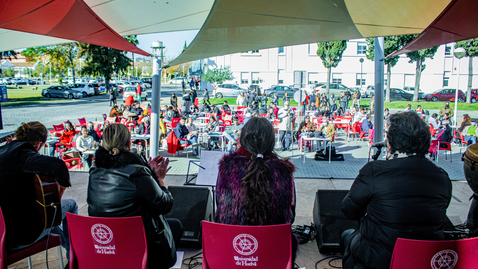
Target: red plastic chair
{"points": [[419, 254], [71, 162], [174, 122], [38, 247], [432, 131], [107, 242], [57, 129], [241, 107], [82, 122], [258, 247]]}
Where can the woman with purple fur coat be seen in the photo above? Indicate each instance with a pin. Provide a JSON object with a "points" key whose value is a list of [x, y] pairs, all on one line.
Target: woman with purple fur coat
{"points": [[255, 186]]}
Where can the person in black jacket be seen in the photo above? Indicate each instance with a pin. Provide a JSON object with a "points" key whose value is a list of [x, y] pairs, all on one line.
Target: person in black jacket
{"points": [[405, 196], [19, 161], [122, 184]]}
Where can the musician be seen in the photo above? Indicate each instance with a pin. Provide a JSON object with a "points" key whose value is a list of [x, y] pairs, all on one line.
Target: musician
{"points": [[19, 161], [405, 197]]}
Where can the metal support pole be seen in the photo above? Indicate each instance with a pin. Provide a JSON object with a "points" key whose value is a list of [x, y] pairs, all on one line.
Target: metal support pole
{"points": [[379, 67], [155, 108], [456, 93]]}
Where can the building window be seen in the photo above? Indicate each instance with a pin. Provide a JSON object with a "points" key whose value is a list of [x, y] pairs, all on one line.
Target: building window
{"points": [[361, 48], [447, 50], [446, 78], [312, 49], [360, 77], [313, 78], [336, 78], [255, 78], [281, 49], [280, 76], [244, 78]]}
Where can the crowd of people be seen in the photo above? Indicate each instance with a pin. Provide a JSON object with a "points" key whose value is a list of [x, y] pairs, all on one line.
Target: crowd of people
{"points": [[406, 195]]}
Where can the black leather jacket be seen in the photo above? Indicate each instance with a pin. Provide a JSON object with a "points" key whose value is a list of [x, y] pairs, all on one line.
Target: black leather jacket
{"points": [[124, 186]]}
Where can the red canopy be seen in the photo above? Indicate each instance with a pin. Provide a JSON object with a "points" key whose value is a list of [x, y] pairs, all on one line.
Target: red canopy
{"points": [[67, 19], [457, 22]]}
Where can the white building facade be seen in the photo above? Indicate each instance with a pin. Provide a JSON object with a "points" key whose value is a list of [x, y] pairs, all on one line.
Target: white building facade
{"points": [[276, 66]]}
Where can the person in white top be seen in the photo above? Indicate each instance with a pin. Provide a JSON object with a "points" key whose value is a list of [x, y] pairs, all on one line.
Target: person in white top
{"points": [[240, 101], [84, 142]]}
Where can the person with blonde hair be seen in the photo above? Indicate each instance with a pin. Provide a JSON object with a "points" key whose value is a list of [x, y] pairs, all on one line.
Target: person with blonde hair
{"points": [[123, 184]]}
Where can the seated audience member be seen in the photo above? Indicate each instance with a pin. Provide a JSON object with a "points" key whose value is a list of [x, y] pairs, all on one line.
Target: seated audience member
{"points": [[144, 129], [420, 110], [254, 185], [446, 120], [465, 122], [367, 125], [213, 127], [84, 142], [128, 114], [232, 133], [19, 161], [181, 132], [262, 110], [405, 196], [114, 112], [191, 127], [328, 129], [386, 115], [470, 160], [92, 132], [215, 109], [247, 117], [358, 116], [226, 107], [433, 121], [305, 127], [409, 108], [193, 109], [469, 133], [136, 109], [65, 138], [354, 109], [175, 112], [122, 184]]}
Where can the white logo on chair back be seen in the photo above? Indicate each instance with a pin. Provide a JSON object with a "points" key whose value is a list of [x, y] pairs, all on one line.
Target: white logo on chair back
{"points": [[103, 235], [445, 259], [245, 244]]}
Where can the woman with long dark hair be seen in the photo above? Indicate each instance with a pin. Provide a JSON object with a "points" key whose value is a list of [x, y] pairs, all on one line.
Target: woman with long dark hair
{"points": [[255, 186]]}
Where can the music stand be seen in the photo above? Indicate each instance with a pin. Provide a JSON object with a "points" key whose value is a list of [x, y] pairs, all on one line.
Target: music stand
{"points": [[208, 172]]}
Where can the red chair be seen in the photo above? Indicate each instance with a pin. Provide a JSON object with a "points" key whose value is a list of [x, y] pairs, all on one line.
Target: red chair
{"points": [[457, 135], [432, 131], [107, 242], [227, 123], [241, 107], [72, 162], [174, 122], [131, 125], [419, 254], [258, 247], [57, 129], [82, 122], [38, 247]]}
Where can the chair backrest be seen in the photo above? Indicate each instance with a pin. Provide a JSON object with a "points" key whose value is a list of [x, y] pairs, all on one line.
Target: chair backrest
{"points": [[82, 122], [420, 254], [3, 247], [232, 246], [227, 123], [174, 122], [107, 242], [58, 129], [111, 119]]}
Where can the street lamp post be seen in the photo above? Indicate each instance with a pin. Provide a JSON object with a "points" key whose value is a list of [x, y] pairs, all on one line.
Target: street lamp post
{"points": [[157, 47], [459, 53], [361, 72]]}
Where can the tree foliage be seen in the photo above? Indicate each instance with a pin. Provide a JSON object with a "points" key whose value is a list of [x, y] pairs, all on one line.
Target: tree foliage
{"points": [[102, 61], [331, 55], [391, 44], [471, 48], [60, 56], [218, 75]]}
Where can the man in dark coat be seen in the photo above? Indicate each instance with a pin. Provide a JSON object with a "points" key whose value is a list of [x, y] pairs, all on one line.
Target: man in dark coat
{"points": [[406, 196], [19, 161], [205, 98], [343, 101]]}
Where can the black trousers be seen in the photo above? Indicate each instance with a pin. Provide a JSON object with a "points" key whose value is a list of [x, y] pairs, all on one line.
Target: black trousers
{"points": [[176, 229], [285, 139]]}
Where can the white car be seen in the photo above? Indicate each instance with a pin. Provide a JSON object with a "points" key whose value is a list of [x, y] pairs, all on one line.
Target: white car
{"points": [[131, 90], [227, 90], [177, 81], [86, 88]]}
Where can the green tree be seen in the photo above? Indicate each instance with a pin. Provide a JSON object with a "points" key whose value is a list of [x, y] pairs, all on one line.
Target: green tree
{"points": [[102, 61], [217, 75], [9, 72], [419, 57], [391, 44], [133, 39], [331, 55], [61, 56], [471, 48]]}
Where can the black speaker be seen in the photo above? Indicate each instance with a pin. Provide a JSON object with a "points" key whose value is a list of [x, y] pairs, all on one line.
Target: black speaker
{"points": [[329, 220], [191, 206]]}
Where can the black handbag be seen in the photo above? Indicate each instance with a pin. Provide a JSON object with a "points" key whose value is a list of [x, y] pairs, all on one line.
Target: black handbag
{"points": [[161, 246]]}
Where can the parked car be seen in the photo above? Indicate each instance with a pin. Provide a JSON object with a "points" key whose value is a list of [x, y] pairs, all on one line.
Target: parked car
{"points": [[334, 88], [280, 90], [148, 82], [131, 90], [227, 90], [397, 94], [445, 95], [61, 91], [177, 81], [411, 90], [86, 88], [22, 82], [367, 92], [474, 95]]}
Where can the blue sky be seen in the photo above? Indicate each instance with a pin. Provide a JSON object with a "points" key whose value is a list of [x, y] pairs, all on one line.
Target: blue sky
{"points": [[173, 41]]}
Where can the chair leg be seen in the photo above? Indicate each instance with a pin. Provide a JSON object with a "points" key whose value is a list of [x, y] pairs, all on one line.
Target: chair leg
{"points": [[29, 262], [60, 257]]}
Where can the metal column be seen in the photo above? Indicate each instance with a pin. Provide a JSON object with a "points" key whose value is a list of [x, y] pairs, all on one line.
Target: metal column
{"points": [[379, 67], [155, 108]]}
